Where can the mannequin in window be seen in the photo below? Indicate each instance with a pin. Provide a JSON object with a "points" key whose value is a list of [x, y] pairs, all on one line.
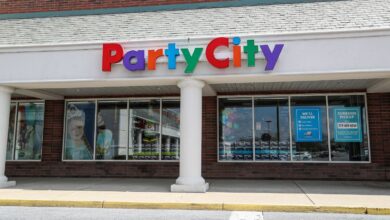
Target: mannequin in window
{"points": [[104, 142]]}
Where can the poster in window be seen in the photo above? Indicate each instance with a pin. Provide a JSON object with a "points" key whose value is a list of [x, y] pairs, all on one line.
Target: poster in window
{"points": [[308, 124], [347, 125]]}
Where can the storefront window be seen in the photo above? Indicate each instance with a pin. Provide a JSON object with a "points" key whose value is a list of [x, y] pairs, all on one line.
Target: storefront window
{"points": [[293, 128], [347, 120], [144, 130], [309, 128], [235, 129], [111, 130], [80, 130], [170, 130], [29, 131], [124, 129], [272, 136], [11, 132]]}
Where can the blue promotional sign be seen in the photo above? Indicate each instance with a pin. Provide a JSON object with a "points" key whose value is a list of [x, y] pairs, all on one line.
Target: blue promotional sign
{"points": [[347, 125], [308, 124]]}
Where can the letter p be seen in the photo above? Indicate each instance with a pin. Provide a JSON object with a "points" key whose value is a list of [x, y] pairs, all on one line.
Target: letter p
{"points": [[110, 58]]}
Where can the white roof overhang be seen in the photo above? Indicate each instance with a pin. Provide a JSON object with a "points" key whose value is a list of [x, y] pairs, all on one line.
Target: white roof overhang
{"points": [[307, 56]]}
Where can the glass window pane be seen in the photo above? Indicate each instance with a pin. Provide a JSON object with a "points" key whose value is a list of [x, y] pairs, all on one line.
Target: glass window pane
{"points": [[144, 130], [11, 131], [309, 126], [272, 134], [170, 130], [80, 130], [29, 131], [235, 129], [348, 128], [111, 130]]}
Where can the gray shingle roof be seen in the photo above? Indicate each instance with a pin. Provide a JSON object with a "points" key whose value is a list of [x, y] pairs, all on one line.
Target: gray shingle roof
{"points": [[285, 18]]}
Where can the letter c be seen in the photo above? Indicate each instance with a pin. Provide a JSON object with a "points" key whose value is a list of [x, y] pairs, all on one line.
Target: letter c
{"points": [[218, 63]]}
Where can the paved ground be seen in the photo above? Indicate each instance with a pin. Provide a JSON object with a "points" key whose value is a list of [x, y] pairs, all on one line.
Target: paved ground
{"points": [[248, 195], [38, 213]]}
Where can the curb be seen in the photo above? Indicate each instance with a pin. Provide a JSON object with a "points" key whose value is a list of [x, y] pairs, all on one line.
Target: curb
{"points": [[196, 206]]}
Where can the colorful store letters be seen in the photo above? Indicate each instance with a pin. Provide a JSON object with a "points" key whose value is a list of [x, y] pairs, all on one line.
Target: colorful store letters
{"points": [[135, 60]]}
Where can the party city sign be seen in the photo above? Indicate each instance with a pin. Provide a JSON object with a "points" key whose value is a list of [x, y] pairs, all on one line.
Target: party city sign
{"points": [[139, 60]]}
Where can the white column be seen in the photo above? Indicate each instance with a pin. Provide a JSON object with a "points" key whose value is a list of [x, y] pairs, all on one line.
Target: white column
{"points": [[5, 100], [190, 179]]}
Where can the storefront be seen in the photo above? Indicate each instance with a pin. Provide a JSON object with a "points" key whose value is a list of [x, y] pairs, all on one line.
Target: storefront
{"points": [[84, 96]]}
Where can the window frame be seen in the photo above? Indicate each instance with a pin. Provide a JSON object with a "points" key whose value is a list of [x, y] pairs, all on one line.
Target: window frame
{"points": [[128, 100], [326, 95], [15, 127]]}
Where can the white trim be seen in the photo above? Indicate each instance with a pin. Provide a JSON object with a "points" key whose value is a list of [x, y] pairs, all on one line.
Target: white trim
{"points": [[210, 79]]}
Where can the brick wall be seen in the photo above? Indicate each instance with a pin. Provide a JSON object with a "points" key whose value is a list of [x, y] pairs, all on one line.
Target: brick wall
{"points": [[24, 6], [51, 165]]}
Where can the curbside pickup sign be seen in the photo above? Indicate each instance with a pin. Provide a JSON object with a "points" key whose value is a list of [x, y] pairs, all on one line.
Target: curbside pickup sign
{"points": [[347, 124]]}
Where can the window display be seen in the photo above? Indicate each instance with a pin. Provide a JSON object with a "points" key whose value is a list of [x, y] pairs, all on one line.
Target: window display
{"points": [[123, 129], [144, 130], [170, 130], [349, 139], [235, 129], [309, 128], [29, 131], [293, 128], [80, 126], [272, 139], [111, 130]]}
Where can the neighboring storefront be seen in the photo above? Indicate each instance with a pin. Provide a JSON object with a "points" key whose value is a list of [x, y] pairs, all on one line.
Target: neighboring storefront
{"points": [[304, 94]]}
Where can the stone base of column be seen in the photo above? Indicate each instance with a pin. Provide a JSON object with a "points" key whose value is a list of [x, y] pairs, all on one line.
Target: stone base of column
{"points": [[7, 184], [199, 188]]}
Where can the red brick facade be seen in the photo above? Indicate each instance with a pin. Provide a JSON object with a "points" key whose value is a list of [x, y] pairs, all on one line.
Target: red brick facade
{"points": [[25, 6], [51, 165]]}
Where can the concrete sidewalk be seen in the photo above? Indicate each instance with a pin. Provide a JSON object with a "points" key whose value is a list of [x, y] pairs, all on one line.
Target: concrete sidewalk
{"points": [[237, 195]]}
